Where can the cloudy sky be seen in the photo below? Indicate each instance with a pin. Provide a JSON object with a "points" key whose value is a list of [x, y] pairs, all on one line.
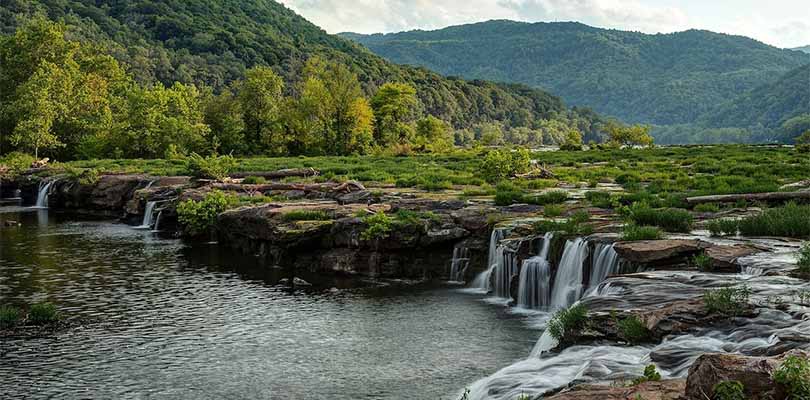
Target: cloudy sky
{"points": [[783, 23]]}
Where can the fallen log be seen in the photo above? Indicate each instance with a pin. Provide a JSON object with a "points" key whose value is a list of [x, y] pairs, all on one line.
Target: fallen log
{"points": [[330, 187], [282, 173], [537, 172], [730, 198]]}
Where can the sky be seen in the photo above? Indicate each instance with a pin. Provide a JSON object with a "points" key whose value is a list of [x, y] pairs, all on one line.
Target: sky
{"points": [[781, 23]]}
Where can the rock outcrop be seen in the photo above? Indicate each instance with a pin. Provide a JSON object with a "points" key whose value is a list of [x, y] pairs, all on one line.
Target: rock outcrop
{"points": [[654, 252], [661, 390]]}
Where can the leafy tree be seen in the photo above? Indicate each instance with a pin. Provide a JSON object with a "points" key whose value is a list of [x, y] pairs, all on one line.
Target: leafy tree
{"points": [[433, 135], [489, 134], [395, 107], [224, 115], [633, 135], [260, 97], [803, 142]]}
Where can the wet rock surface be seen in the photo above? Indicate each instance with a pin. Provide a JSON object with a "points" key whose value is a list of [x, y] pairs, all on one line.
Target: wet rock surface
{"points": [[661, 390]]}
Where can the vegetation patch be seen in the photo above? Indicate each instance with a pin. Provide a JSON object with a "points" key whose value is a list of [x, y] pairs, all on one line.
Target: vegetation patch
{"points": [[254, 180], [633, 330], [670, 219], [723, 227], [729, 390], [9, 316], [198, 217], [575, 225], [567, 321], [43, 314], [728, 301], [306, 215], [211, 167], [633, 233], [650, 375], [794, 375], [791, 220], [803, 261], [702, 262], [378, 226]]}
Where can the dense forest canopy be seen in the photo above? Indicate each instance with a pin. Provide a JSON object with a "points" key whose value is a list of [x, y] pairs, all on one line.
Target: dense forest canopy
{"points": [[213, 43], [660, 79]]}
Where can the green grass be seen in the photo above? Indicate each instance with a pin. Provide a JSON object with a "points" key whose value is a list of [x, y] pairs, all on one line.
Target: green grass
{"points": [[633, 330], [729, 390], [723, 227], [707, 208], [254, 180], [794, 376], [633, 233], [791, 220], [306, 215], [564, 322], [575, 225], [650, 375], [729, 301], [599, 199], [9, 316], [702, 262], [553, 210], [668, 219], [43, 313]]}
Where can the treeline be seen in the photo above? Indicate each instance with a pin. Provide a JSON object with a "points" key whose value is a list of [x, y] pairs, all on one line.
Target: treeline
{"points": [[69, 99], [213, 43]]}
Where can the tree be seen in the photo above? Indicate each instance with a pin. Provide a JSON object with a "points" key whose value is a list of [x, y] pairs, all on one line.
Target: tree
{"points": [[803, 142], [572, 141], [433, 135], [260, 98], [224, 115], [489, 134], [632, 135], [395, 106]]}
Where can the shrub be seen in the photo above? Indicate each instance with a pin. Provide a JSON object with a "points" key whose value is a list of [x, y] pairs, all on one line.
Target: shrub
{"points": [[723, 227], [707, 208], [599, 199], [702, 262], [197, 217], [502, 164], [729, 301], [792, 220], [633, 330], [9, 316], [15, 164], [254, 180], [669, 219], [506, 193], [552, 197], [378, 226], [729, 390], [634, 233], [575, 225], [87, 177], [212, 167], [306, 215], [553, 210], [794, 375], [564, 322], [650, 375], [804, 261], [43, 313]]}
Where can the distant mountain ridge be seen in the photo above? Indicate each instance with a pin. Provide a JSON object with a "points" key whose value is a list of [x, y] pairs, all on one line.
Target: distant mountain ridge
{"points": [[660, 79], [805, 49]]}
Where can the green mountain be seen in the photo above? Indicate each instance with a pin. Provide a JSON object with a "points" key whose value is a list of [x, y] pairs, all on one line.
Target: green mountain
{"points": [[805, 49], [213, 42], [660, 79]]}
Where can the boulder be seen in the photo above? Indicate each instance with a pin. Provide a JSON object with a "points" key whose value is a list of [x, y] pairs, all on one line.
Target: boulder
{"points": [[661, 390], [724, 258], [755, 373], [658, 251]]}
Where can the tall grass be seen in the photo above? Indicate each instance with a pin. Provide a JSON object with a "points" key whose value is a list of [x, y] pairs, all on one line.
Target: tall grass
{"points": [[791, 220], [634, 233], [669, 219]]}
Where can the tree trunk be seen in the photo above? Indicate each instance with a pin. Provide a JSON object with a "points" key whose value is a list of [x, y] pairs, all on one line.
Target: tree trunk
{"points": [[282, 173], [730, 198]]}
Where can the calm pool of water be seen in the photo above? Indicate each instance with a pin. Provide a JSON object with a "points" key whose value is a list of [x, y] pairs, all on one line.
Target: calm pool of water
{"points": [[179, 322]]}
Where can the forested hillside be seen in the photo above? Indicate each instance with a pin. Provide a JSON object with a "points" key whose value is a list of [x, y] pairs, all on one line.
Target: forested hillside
{"points": [[805, 49], [212, 43], [660, 79]]}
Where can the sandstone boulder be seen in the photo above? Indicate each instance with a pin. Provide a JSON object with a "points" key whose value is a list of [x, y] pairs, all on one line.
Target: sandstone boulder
{"points": [[661, 390], [658, 251], [724, 258]]}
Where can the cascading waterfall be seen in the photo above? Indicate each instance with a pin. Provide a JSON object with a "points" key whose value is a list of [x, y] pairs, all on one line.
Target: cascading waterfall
{"points": [[605, 262], [148, 215], [567, 287], [461, 260], [42, 196], [535, 278], [157, 221], [505, 268], [483, 280]]}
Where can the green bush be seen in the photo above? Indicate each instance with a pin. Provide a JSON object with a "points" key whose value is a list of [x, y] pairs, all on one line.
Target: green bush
{"points": [[702, 262], [729, 390], [707, 208], [378, 226], [564, 322], [552, 197], [650, 375], [84, 176], [506, 193], [794, 375], [729, 301], [804, 261], [575, 225], [723, 227], [197, 217], [633, 330], [306, 215], [43, 313], [502, 164], [553, 210], [254, 180], [9, 316], [632, 233], [791, 220], [669, 219], [15, 163], [599, 199], [212, 167]]}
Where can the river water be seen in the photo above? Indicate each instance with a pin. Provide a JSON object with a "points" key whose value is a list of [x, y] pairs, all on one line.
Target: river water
{"points": [[170, 321]]}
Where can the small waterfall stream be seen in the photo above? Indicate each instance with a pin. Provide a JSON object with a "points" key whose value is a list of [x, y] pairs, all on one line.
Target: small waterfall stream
{"points": [[535, 278], [604, 263], [567, 287], [44, 192], [458, 267], [149, 219], [483, 281]]}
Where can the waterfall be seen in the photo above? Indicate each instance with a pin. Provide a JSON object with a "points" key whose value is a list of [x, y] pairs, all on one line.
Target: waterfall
{"points": [[148, 215], [605, 262], [157, 221], [505, 267], [483, 281], [535, 278], [42, 196], [567, 287], [461, 260]]}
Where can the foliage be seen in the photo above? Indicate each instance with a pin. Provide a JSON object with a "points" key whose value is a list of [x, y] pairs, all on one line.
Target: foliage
{"points": [[541, 55], [599, 199], [729, 301], [707, 208], [502, 164], [254, 180], [791, 220], [15, 163], [433, 135], [564, 322], [794, 375], [211, 167], [723, 227], [650, 375], [396, 107], [575, 225], [633, 330], [632, 233], [198, 217], [672, 220], [9, 316], [378, 226], [43, 313], [621, 135], [729, 390], [702, 262], [553, 210], [803, 261], [306, 215], [803, 142]]}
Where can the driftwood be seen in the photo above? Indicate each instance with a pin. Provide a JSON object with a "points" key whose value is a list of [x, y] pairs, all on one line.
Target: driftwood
{"points": [[730, 198], [282, 173], [327, 187], [537, 172]]}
